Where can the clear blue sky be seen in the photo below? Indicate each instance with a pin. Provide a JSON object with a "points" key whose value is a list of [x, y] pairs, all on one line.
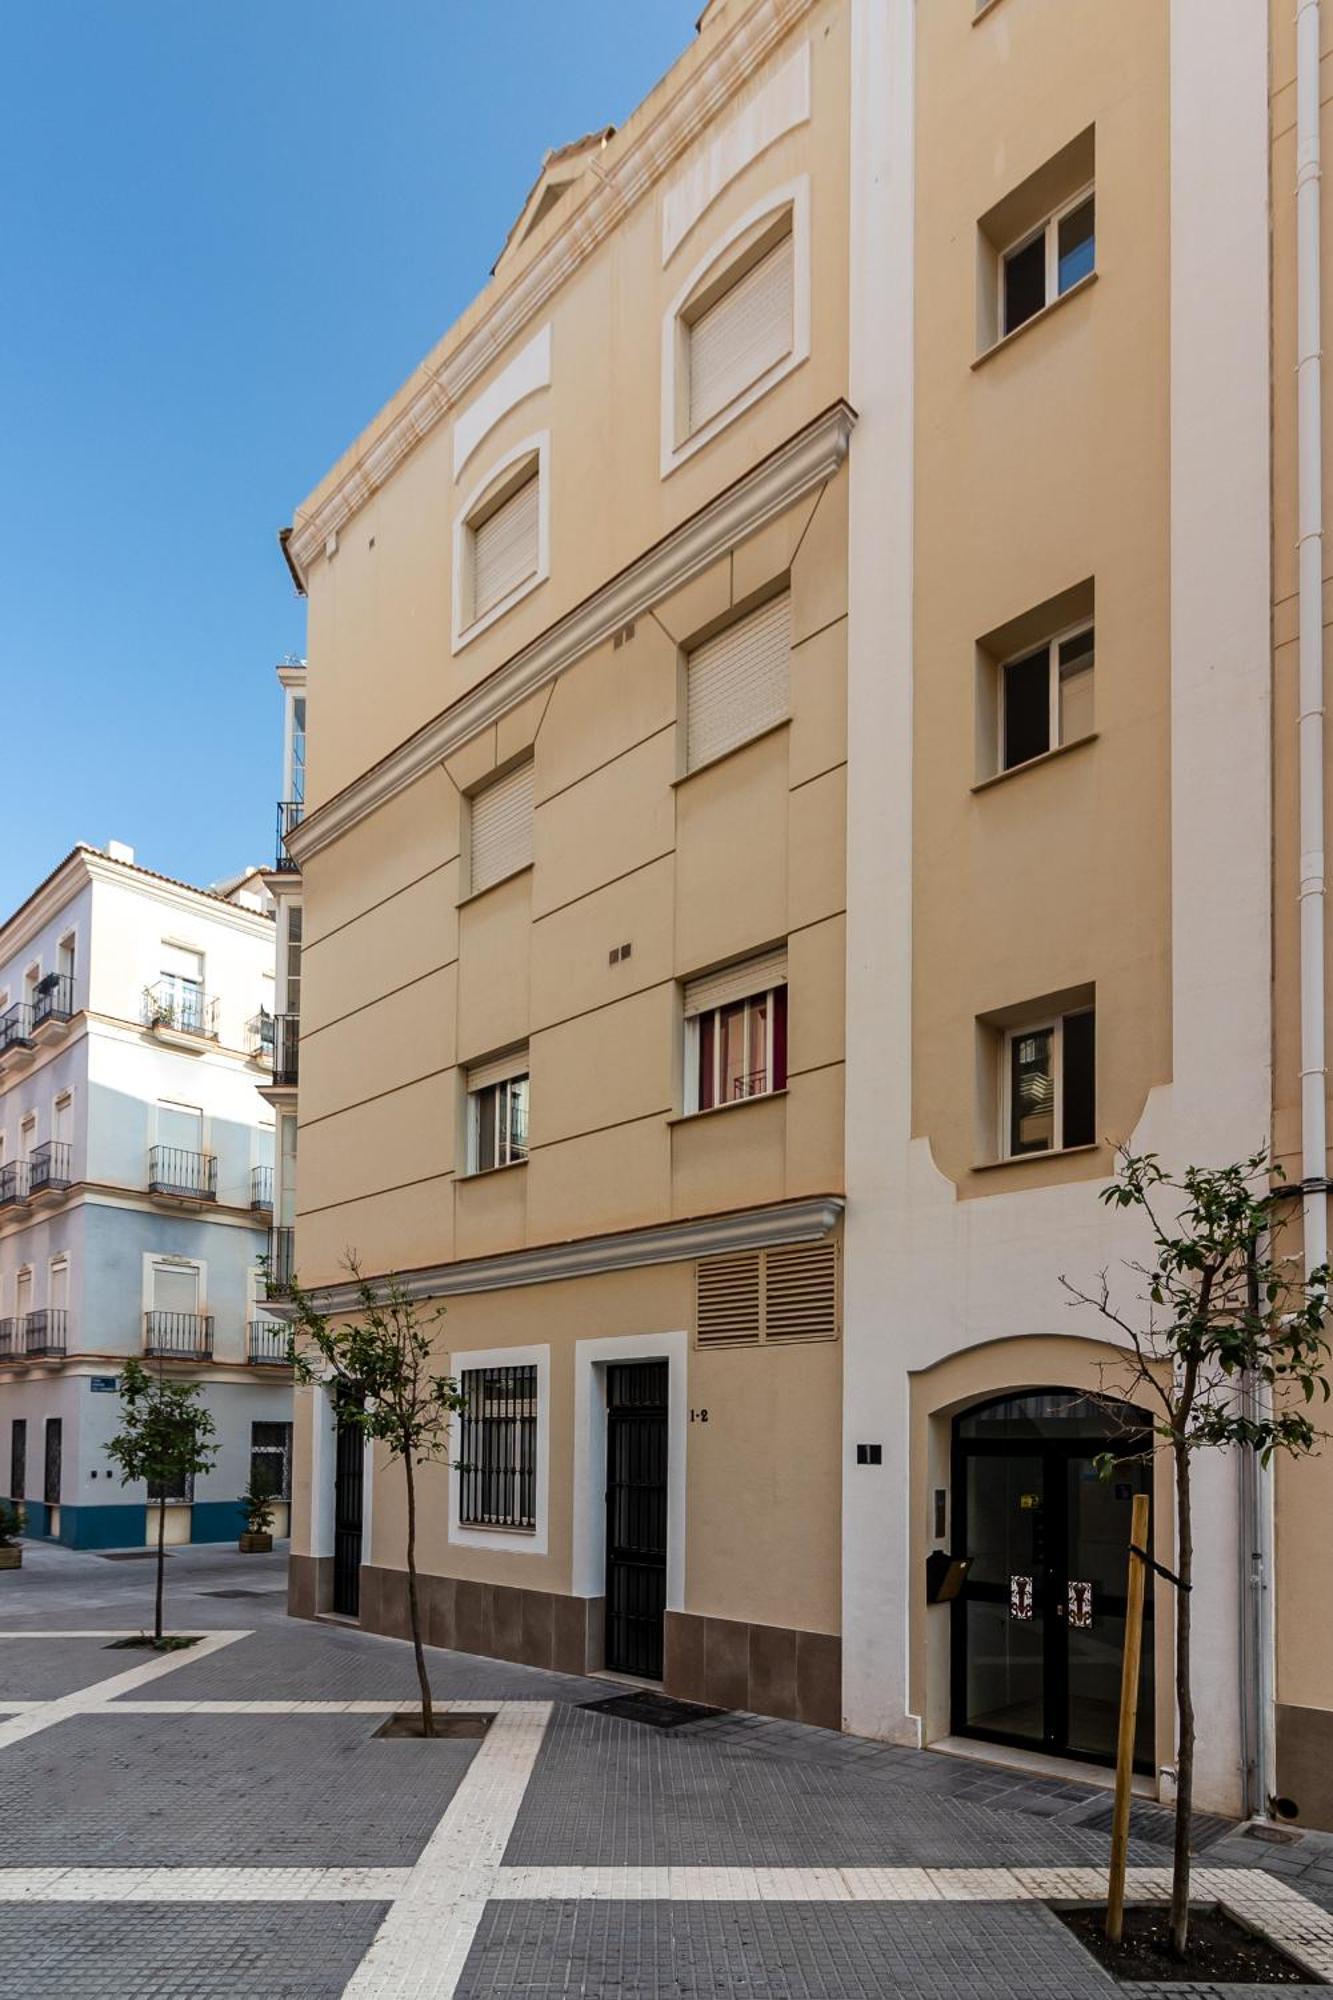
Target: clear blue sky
{"points": [[228, 231]]}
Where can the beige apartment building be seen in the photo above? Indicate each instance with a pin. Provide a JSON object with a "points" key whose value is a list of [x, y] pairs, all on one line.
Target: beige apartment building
{"points": [[798, 761]]}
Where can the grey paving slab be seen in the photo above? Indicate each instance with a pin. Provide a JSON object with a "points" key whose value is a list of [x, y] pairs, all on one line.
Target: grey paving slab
{"points": [[611, 1793], [206, 1951], [42, 1669], [222, 1790]]}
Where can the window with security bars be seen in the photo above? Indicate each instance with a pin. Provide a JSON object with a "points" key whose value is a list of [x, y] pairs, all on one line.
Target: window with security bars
{"points": [[497, 1448], [732, 340], [738, 684], [271, 1460], [768, 1297], [175, 1486]]}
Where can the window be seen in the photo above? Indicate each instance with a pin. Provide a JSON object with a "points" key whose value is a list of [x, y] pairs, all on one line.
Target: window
{"points": [[758, 1296], [271, 1460], [497, 1448], [733, 338], [18, 1458], [27, 1135], [736, 1033], [1049, 1085], [175, 1289], [500, 828], [292, 959], [296, 779], [1049, 262], [497, 1106], [737, 684], [502, 539], [1046, 698], [1038, 242], [179, 992], [23, 1295], [176, 1487]]}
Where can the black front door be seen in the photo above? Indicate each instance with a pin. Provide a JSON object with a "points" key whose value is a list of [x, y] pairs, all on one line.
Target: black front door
{"points": [[348, 1478], [51, 1485], [1038, 1628], [636, 1516], [18, 1459]]}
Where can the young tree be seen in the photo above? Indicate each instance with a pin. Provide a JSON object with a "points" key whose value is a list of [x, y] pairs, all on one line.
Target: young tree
{"points": [[382, 1365], [166, 1437], [1226, 1346]]}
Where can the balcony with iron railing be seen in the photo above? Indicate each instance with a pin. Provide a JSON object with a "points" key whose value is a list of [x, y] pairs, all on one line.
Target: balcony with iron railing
{"points": [[268, 1344], [11, 1338], [281, 1268], [44, 1332], [259, 1037], [178, 1336], [286, 1049], [187, 1176], [179, 1007], [14, 1177], [261, 1189], [290, 814], [53, 1003], [51, 1167], [15, 1028]]}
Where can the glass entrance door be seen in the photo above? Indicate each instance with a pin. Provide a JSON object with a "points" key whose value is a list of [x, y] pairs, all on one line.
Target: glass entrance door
{"points": [[1038, 1628]]}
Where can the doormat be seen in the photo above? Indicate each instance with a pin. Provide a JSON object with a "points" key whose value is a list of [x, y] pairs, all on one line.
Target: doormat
{"points": [[1155, 1825], [447, 1726], [1221, 1950], [659, 1711], [130, 1555]]}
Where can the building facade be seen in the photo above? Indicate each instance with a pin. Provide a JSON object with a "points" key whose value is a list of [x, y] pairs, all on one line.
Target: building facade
{"points": [[136, 1184], [797, 775]]}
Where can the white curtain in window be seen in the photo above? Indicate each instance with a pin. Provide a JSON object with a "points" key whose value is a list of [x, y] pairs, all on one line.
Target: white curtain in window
{"points": [[738, 683], [744, 334], [505, 548], [502, 827]]}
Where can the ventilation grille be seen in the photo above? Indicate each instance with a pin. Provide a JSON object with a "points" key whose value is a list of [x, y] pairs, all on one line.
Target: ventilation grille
{"points": [[762, 1296]]}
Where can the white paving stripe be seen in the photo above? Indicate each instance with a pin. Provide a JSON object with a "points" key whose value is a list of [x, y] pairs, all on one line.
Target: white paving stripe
{"points": [[202, 1885], [89, 1700], [422, 1946]]}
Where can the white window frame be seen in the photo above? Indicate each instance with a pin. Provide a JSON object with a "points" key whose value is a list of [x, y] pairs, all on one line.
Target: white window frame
{"points": [[520, 1071], [693, 1045], [466, 628], [168, 1259], [678, 444], [517, 1541], [1050, 228], [1055, 740], [1037, 1026]]}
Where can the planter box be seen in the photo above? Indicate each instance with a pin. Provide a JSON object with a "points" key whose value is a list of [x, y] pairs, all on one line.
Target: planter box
{"points": [[256, 1545], [11, 1558]]}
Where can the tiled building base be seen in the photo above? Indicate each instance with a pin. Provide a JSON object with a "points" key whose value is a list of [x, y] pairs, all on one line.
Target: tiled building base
{"points": [[765, 1668], [309, 1585], [535, 1628]]}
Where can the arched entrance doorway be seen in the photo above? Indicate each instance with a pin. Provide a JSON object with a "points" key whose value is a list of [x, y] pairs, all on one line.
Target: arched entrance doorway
{"points": [[1038, 1627]]}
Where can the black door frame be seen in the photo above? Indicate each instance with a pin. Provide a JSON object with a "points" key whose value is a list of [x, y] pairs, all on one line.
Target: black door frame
{"points": [[637, 1457], [349, 1459], [1051, 1580]]}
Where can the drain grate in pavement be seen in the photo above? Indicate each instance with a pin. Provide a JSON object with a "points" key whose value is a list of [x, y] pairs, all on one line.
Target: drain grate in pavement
{"points": [[1157, 1824], [659, 1711]]}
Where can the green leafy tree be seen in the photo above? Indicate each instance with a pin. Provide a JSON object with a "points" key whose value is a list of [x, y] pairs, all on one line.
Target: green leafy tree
{"points": [[166, 1437], [1226, 1347], [382, 1368]]}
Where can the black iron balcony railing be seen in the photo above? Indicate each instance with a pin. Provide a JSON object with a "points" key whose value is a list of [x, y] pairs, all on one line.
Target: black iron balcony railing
{"points": [[259, 1036], [290, 814], [261, 1188], [54, 1000], [268, 1342], [44, 1331], [16, 1027], [10, 1342], [286, 1048], [183, 1007], [51, 1167], [172, 1170], [187, 1336], [13, 1183], [281, 1262]]}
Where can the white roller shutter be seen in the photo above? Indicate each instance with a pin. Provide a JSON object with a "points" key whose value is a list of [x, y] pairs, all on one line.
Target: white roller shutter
{"points": [[502, 828], [505, 548], [499, 1069], [177, 962], [736, 982], [175, 1288], [738, 683], [739, 338]]}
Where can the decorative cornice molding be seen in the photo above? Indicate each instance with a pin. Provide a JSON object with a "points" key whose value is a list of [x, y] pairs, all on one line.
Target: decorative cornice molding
{"points": [[83, 865], [666, 1243], [646, 157], [776, 483]]}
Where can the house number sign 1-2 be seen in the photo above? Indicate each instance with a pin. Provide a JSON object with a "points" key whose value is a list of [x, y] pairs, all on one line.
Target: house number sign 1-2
{"points": [[699, 1416]]}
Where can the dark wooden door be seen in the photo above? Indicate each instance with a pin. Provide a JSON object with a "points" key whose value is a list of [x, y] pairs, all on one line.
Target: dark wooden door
{"points": [[636, 1516], [348, 1479], [51, 1488], [18, 1459]]}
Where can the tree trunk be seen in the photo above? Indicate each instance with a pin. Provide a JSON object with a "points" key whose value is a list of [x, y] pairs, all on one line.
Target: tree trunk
{"points": [[161, 1569], [413, 1606], [1180, 1877]]}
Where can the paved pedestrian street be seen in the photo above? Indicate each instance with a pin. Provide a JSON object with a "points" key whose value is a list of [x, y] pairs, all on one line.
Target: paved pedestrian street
{"points": [[225, 1821]]}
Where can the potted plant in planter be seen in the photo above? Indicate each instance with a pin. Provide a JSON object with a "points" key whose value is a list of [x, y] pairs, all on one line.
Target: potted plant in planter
{"points": [[11, 1527], [257, 1536]]}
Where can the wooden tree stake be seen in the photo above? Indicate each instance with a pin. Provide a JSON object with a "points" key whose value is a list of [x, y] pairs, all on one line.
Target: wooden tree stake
{"points": [[1129, 1715]]}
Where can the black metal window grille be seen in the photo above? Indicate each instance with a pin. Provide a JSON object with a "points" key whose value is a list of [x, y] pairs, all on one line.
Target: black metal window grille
{"points": [[18, 1458], [16, 1026], [286, 1048], [173, 1170], [44, 1331], [497, 1458], [51, 1165], [54, 999], [174, 1485], [13, 1182], [290, 814], [271, 1460], [261, 1187], [11, 1333], [268, 1340], [52, 1468], [186, 1334], [281, 1261]]}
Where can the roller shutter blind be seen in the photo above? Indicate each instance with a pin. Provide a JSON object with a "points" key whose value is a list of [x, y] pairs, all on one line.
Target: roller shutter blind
{"points": [[499, 1069], [736, 982], [505, 548], [740, 337], [502, 827], [738, 683]]}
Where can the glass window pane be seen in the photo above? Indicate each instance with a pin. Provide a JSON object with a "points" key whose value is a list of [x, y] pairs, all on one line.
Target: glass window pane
{"points": [[1077, 245], [707, 1053], [1076, 663], [756, 1078], [1027, 708], [517, 1093], [1032, 1092], [1024, 282], [731, 1033], [485, 1102], [1080, 1119]]}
